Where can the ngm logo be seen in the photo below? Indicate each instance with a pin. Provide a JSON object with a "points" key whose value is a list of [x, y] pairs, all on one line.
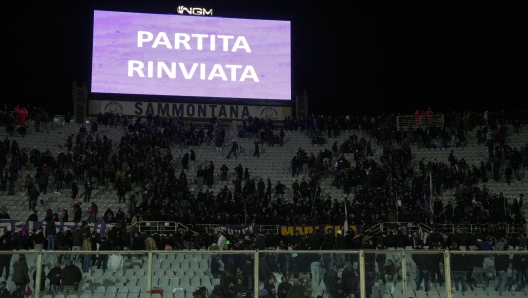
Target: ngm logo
{"points": [[195, 11]]}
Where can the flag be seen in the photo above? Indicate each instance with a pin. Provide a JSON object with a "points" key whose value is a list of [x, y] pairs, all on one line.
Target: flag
{"points": [[29, 292], [345, 228], [423, 235]]}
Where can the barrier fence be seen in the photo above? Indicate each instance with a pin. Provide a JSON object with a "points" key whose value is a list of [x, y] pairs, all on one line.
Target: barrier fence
{"points": [[364, 273], [165, 227]]}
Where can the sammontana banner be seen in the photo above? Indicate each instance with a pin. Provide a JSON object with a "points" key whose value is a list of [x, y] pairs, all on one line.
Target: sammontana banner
{"points": [[190, 110]]}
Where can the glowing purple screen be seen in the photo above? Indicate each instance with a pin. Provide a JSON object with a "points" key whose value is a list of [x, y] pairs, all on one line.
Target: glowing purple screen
{"points": [[139, 53]]}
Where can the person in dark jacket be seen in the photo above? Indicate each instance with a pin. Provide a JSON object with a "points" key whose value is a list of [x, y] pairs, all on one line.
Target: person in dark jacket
{"points": [[54, 275], [42, 279], [260, 241], [61, 244], [502, 262], [270, 287], [77, 240], [264, 270], [433, 265], [20, 272], [519, 266], [75, 189], [88, 190], [240, 286], [284, 287], [77, 214], [33, 216], [5, 260], [137, 242], [102, 260], [38, 238], [296, 290], [70, 277], [422, 272], [477, 260], [216, 266], [458, 268], [51, 231], [330, 279], [4, 292]]}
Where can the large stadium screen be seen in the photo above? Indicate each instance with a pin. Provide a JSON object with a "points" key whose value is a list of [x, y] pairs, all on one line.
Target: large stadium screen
{"points": [[153, 54]]}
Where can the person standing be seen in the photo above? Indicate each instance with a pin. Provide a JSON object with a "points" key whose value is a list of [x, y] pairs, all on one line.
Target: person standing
{"points": [[87, 190], [70, 277], [38, 238], [42, 279], [257, 150], [502, 262], [478, 267], [458, 267], [102, 261], [221, 240], [508, 172], [422, 272], [282, 134], [5, 260], [219, 143], [51, 232], [43, 182], [234, 149], [20, 272], [77, 241], [74, 189], [87, 247]]}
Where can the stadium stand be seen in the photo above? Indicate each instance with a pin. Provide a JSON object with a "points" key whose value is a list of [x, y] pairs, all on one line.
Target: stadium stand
{"points": [[152, 169]]}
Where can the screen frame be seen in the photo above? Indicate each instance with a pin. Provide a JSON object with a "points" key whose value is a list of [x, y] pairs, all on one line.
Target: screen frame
{"points": [[193, 99]]}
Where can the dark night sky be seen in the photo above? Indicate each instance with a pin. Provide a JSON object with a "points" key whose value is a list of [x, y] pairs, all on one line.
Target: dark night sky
{"points": [[367, 57]]}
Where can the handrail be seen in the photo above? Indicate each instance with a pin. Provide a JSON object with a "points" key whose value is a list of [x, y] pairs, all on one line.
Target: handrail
{"points": [[37, 264]]}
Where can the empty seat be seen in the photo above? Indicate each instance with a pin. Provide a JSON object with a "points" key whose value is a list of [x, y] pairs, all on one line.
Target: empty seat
{"points": [[100, 289]]}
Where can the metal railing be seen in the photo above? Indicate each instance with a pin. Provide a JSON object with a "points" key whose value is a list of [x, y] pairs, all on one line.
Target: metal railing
{"points": [[406, 264], [158, 227], [419, 120]]}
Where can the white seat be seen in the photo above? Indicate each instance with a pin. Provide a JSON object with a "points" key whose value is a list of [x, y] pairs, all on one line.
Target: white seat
{"points": [[184, 265], [134, 289], [185, 282], [178, 292], [163, 281], [196, 282], [100, 289], [174, 282]]}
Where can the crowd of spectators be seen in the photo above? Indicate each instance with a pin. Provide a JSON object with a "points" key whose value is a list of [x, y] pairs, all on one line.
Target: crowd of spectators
{"points": [[387, 187]]}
